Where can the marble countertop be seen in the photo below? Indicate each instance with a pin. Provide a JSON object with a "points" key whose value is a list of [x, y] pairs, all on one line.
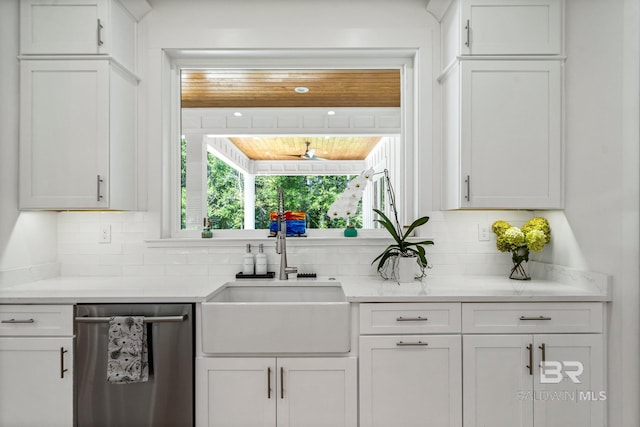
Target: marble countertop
{"points": [[575, 286]]}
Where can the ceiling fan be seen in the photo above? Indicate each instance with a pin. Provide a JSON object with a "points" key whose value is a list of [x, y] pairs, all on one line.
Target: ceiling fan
{"points": [[309, 153]]}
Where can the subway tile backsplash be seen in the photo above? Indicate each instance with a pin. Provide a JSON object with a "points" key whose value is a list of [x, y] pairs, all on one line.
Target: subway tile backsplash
{"points": [[457, 249]]}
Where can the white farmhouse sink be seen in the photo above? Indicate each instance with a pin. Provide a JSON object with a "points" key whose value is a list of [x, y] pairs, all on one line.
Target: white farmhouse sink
{"points": [[277, 318]]}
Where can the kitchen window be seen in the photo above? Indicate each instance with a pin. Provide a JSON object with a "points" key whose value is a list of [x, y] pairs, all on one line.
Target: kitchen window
{"points": [[219, 180]]}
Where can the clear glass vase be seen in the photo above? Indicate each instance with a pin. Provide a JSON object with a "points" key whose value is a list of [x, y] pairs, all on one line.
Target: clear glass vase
{"points": [[520, 268]]}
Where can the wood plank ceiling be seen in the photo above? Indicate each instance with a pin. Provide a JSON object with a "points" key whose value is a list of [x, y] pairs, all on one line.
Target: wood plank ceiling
{"points": [[276, 88], [293, 147]]}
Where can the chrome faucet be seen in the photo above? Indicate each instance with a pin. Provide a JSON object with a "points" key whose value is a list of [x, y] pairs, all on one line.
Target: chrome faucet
{"points": [[281, 238]]}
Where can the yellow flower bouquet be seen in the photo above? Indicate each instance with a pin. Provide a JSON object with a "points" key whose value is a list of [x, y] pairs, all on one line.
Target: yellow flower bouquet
{"points": [[533, 235]]}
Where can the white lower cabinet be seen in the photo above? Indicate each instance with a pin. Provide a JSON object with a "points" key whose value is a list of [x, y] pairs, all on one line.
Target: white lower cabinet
{"points": [[523, 366], [36, 381], [507, 385], [283, 392], [410, 365], [36, 365], [411, 380]]}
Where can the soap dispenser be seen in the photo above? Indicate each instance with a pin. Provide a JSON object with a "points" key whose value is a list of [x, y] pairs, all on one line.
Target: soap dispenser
{"points": [[261, 261], [248, 262]]}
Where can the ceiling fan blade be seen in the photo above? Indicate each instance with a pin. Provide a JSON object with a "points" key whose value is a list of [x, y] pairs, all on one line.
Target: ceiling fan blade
{"points": [[308, 155]]}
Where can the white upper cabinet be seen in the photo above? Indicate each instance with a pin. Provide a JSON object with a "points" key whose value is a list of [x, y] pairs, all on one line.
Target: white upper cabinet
{"points": [[503, 135], [78, 102], [504, 27], [77, 135], [73, 27], [502, 86]]}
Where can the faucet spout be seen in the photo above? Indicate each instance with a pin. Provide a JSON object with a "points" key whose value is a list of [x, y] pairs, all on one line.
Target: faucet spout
{"points": [[281, 238]]}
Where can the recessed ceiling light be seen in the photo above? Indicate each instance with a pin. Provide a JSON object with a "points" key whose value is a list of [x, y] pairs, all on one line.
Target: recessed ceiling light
{"points": [[331, 113], [301, 89], [237, 114]]}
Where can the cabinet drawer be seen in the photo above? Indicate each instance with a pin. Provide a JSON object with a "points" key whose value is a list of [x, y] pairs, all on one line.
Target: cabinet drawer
{"points": [[531, 317], [409, 318], [35, 320]]}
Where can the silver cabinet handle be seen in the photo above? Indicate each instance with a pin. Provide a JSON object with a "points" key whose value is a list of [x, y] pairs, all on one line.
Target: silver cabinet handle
{"points": [[412, 344], [467, 181], [467, 28], [62, 368], [535, 318], [19, 321], [100, 27], [98, 182], [411, 319]]}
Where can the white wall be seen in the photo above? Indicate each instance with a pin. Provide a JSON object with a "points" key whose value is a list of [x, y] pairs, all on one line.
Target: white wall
{"points": [[28, 241], [598, 230]]}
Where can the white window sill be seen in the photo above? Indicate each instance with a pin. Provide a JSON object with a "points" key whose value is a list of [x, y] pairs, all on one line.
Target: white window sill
{"points": [[365, 237]]}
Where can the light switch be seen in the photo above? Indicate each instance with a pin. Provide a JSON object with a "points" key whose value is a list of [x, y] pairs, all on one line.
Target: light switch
{"points": [[484, 233], [105, 234]]}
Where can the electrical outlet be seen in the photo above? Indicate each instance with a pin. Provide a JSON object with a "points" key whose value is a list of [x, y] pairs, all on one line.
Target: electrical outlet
{"points": [[105, 234], [484, 233]]}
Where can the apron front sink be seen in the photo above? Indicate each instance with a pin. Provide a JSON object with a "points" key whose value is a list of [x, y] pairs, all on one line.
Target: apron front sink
{"points": [[277, 319]]}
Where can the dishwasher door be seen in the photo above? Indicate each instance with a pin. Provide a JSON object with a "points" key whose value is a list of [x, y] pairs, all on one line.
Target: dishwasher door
{"points": [[166, 399]]}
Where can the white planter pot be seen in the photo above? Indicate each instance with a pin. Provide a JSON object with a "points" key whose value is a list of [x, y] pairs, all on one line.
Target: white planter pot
{"points": [[406, 269]]}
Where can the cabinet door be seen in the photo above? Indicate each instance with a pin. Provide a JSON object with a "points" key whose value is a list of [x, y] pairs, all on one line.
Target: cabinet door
{"points": [[63, 27], [36, 386], [498, 381], [511, 151], [64, 123], [235, 392], [570, 391], [412, 380], [317, 392], [508, 27]]}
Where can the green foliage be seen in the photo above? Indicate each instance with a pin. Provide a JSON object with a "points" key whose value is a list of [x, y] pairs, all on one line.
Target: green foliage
{"points": [[312, 194], [225, 196], [402, 246]]}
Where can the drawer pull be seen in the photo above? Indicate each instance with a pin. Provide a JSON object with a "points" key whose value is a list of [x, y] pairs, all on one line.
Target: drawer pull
{"points": [[411, 319], [412, 344], [535, 318], [19, 321]]}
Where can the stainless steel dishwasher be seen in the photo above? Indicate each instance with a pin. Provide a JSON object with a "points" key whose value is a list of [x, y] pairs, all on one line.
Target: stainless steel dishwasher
{"points": [[166, 399]]}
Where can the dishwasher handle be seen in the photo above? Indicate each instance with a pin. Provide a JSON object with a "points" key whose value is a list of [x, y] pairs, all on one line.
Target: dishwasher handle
{"points": [[156, 319]]}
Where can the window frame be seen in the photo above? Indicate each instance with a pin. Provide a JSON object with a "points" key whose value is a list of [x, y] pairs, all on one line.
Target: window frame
{"points": [[406, 162]]}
